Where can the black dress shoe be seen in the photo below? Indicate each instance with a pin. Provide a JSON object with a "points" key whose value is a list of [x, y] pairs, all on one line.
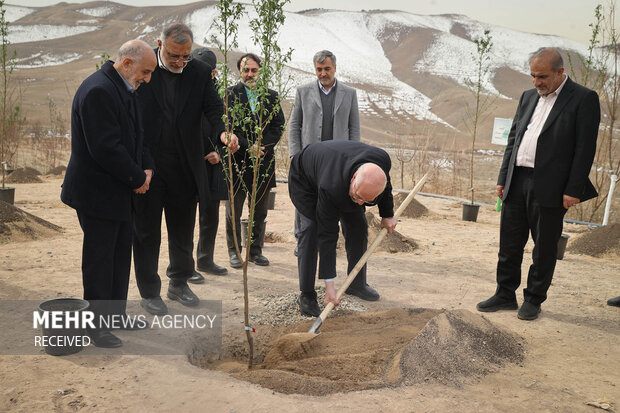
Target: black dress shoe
{"points": [[365, 293], [235, 262], [615, 302], [259, 259], [528, 311], [296, 252], [155, 306], [182, 293], [104, 339], [196, 278], [496, 303], [308, 304], [213, 269]]}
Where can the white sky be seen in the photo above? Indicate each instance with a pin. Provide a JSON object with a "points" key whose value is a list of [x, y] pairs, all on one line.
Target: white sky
{"points": [[568, 18]]}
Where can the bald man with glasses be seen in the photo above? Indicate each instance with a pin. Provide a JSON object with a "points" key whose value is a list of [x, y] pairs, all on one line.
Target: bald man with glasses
{"points": [[331, 182]]}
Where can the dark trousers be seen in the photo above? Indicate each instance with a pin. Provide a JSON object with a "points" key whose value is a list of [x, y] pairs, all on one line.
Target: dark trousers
{"points": [[260, 214], [355, 231], [172, 192], [208, 222], [522, 214], [106, 263]]}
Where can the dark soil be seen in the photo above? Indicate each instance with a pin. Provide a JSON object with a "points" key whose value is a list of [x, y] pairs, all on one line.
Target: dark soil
{"points": [[370, 350], [413, 210], [25, 175], [598, 242], [17, 223]]}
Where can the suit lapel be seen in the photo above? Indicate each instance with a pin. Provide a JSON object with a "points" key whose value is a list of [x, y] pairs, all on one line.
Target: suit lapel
{"points": [[155, 85], [316, 97], [561, 101], [339, 98], [527, 114]]}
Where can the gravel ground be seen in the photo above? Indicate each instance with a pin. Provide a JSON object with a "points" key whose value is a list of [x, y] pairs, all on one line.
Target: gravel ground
{"points": [[284, 310]]}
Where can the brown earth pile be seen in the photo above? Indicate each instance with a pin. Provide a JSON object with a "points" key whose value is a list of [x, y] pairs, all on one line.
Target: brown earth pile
{"points": [[394, 242], [414, 210], [25, 175], [17, 225], [370, 350], [601, 241]]}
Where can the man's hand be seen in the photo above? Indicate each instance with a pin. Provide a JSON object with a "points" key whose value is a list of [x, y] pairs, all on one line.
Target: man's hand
{"points": [[230, 140], [569, 201], [146, 184], [330, 294], [389, 224], [212, 158], [500, 191], [253, 150]]}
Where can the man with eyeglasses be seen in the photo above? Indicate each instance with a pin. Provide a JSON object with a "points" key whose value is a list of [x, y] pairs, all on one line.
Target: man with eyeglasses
{"points": [[173, 105], [255, 106], [331, 182]]}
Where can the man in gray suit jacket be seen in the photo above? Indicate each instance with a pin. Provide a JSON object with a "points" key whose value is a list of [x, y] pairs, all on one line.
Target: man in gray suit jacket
{"points": [[323, 110]]}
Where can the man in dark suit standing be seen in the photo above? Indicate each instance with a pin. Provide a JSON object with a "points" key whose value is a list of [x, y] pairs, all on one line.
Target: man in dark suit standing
{"points": [[331, 182], [255, 107], [545, 170], [172, 106], [108, 163]]}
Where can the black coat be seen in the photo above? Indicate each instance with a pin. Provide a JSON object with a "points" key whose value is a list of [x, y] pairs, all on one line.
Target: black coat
{"points": [[271, 136], [319, 180], [566, 145], [108, 157], [196, 95]]}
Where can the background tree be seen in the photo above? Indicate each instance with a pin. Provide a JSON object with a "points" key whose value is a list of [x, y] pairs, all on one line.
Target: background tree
{"points": [[482, 101], [12, 121]]}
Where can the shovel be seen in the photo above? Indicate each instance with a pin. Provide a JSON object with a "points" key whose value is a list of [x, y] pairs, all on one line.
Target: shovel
{"points": [[330, 306], [293, 345]]}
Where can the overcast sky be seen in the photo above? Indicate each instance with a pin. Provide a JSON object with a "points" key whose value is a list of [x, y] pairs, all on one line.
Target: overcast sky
{"points": [[568, 18]]}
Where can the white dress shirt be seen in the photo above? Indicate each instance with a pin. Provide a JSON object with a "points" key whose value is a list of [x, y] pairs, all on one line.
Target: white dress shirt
{"points": [[526, 155]]}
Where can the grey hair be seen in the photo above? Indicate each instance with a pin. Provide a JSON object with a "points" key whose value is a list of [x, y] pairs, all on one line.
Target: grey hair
{"points": [[556, 58], [178, 33], [320, 57], [134, 49]]}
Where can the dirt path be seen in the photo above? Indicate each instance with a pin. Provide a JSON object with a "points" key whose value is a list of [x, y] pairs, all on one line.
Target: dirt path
{"points": [[571, 358]]}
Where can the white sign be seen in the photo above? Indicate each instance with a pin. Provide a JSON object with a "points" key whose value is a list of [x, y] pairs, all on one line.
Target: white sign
{"points": [[501, 129]]}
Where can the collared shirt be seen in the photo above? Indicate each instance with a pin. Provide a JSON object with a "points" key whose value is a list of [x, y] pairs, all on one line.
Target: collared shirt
{"points": [[129, 87], [526, 155], [327, 92], [252, 98]]}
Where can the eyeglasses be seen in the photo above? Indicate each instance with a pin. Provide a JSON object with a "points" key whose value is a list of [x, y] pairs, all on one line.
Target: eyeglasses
{"points": [[175, 58]]}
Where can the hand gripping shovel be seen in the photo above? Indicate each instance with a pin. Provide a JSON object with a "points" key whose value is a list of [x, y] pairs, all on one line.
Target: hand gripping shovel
{"points": [[330, 306]]}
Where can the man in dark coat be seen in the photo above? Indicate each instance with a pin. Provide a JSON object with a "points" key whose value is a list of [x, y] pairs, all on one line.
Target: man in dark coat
{"points": [[331, 182], [255, 108], [209, 215], [172, 106], [545, 171], [109, 162]]}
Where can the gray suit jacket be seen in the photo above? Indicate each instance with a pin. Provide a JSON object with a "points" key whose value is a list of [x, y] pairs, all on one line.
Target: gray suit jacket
{"points": [[305, 122]]}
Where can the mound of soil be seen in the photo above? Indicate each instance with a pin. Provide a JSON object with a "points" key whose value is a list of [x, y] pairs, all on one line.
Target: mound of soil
{"points": [[413, 210], [369, 350], [59, 170], [18, 225], [599, 242], [458, 345], [25, 175], [394, 242]]}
